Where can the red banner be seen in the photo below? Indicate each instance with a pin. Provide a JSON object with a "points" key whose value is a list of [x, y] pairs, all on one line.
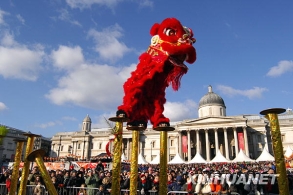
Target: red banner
{"points": [[241, 141], [87, 165], [184, 144]]}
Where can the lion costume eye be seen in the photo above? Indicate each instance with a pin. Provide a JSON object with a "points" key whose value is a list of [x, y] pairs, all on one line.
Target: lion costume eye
{"points": [[170, 32]]}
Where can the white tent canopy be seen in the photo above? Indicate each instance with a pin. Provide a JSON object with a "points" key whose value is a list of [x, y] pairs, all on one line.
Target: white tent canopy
{"points": [[242, 157], [219, 158], [177, 160], [288, 152], [156, 160], [141, 160], [197, 159], [265, 156]]}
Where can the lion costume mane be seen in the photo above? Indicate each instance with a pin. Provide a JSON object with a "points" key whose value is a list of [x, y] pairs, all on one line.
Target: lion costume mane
{"points": [[160, 66]]}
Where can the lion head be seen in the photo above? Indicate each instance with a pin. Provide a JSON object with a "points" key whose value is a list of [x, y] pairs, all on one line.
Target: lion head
{"points": [[173, 40]]}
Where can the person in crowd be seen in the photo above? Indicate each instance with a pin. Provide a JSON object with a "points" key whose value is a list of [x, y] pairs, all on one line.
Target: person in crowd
{"points": [[4, 176], [54, 181], [144, 184], [177, 184], [91, 182], [80, 178], [32, 176], [107, 183], [126, 183], [8, 183], [189, 187], [38, 189], [155, 183], [82, 190], [102, 191], [99, 167]]}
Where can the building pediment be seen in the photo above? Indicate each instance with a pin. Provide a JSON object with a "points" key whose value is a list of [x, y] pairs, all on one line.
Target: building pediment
{"points": [[213, 122]]}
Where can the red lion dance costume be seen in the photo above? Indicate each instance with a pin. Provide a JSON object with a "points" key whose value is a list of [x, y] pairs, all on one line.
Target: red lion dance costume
{"points": [[161, 65]]}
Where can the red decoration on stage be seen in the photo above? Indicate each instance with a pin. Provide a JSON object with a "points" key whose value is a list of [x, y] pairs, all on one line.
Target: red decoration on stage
{"points": [[184, 144], [108, 148], [241, 141], [160, 66]]}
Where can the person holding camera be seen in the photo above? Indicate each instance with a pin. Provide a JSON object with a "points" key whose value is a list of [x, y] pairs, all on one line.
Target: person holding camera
{"points": [[91, 182]]}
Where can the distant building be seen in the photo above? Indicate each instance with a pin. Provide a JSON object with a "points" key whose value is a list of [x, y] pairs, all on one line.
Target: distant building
{"points": [[8, 147], [211, 131]]}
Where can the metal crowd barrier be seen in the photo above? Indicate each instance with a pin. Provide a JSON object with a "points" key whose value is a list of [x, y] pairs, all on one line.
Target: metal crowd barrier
{"points": [[177, 192], [77, 190], [30, 189]]}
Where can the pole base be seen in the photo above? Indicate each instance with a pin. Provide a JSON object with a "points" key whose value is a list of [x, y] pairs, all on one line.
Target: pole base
{"points": [[273, 111], [135, 128], [164, 129], [118, 119]]}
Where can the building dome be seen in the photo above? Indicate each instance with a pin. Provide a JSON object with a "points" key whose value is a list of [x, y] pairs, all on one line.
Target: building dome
{"points": [[211, 104], [211, 98], [87, 119]]}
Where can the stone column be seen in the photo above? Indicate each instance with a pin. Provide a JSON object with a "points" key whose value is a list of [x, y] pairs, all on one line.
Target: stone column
{"points": [[216, 140], [226, 143], [168, 148], [180, 144], [207, 145], [177, 142], [197, 141], [235, 140], [266, 141], [128, 149], [76, 144], [246, 141], [86, 150], [189, 145], [52, 150]]}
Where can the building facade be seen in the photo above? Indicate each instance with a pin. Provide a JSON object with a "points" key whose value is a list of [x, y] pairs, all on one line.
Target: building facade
{"points": [[212, 131], [8, 146]]}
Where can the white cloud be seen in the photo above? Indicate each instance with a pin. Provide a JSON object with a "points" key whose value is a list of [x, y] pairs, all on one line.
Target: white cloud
{"points": [[69, 118], [18, 61], [177, 111], [66, 17], [92, 86], [146, 3], [282, 67], [48, 124], [67, 58], [87, 85], [107, 43], [255, 92], [88, 3], [2, 106], [20, 18], [2, 13]]}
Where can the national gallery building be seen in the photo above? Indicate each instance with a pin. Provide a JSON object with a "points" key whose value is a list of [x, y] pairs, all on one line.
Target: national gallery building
{"points": [[212, 131]]}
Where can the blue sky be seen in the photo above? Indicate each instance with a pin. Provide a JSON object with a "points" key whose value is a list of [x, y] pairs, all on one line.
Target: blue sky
{"points": [[63, 59]]}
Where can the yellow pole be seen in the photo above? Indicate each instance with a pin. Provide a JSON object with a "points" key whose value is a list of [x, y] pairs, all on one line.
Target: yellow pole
{"points": [[115, 190], [15, 171], [37, 156], [26, 167], [163, 163], [272, 116], [134, 162]]}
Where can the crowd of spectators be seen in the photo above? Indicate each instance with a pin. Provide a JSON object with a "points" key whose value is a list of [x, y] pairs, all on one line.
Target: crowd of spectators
{"points": [[189, 178]]}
